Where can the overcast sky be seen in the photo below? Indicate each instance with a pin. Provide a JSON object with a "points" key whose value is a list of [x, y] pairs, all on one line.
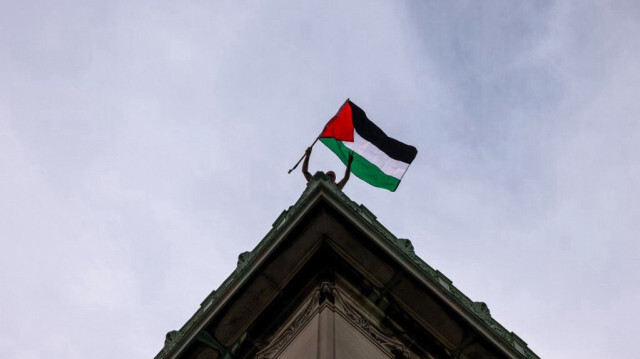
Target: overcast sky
{"points": [[145, 144]]}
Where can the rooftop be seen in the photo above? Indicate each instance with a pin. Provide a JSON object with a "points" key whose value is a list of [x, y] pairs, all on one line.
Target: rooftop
{"points": [[320, 188]]}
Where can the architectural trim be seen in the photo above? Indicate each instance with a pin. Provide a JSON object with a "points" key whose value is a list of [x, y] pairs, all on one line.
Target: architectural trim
{"points": [[311, 308], [328, 296], [320, 192]]}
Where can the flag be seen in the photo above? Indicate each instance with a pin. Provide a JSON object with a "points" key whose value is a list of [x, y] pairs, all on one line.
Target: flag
{"points": [[378, 159]]}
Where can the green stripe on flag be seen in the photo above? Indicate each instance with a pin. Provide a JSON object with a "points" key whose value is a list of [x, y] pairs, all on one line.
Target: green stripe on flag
{"points": [[360, 167]]}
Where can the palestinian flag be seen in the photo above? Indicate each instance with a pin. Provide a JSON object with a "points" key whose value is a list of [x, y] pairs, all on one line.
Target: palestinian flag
{"points": [[378, 159]]}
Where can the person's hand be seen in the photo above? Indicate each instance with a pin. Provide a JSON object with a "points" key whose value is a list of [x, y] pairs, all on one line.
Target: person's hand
{"points": [[350, 157], [307, 152]]}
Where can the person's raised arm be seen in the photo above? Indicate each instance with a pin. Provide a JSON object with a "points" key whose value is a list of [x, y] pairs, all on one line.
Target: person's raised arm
{"points": [[305, 164], [347, 172]]}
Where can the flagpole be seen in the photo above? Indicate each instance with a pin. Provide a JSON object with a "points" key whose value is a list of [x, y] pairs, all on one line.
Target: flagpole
{"points": [[301, 158], [316, 140]]}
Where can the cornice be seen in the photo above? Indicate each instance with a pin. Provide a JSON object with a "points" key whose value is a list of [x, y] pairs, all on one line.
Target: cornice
{"points": [[321, 187]]}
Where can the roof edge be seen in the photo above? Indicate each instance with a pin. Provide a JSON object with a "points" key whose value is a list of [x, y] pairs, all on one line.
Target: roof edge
{"points": [[247, 261]]}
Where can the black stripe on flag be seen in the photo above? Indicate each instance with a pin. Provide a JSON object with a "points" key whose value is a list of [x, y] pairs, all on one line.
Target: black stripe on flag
{"points": [[372, 133]]}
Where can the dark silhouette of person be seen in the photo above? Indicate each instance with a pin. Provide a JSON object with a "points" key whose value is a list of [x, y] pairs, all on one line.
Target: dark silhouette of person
{"points": [[330, 174]]}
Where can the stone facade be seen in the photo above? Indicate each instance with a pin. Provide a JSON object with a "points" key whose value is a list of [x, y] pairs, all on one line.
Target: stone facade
{"points": [[329, 281]]}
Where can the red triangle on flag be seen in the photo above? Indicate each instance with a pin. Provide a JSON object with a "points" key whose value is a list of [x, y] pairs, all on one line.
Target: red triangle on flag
{"points": [[340, 126]]}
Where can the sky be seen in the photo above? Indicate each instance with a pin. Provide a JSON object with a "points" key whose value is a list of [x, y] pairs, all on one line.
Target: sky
{"points": [[145, 144]]}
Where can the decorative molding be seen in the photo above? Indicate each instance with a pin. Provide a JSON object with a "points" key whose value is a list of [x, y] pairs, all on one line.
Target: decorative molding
{"points": [[171, 339], [208, 339], [394, 348], [243, 259], [406, 246], [327, 295], [481, 309], [294, 328], [403, 247]]}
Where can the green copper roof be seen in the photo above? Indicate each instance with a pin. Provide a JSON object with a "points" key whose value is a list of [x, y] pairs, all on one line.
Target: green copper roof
{"points": [[402, 247]]}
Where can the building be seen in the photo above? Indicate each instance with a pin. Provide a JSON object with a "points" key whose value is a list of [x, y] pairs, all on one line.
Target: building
{"points": [[329, 281]]}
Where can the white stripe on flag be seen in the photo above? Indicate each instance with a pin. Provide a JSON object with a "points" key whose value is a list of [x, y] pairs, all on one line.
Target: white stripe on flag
{"points": [[374, 155]]}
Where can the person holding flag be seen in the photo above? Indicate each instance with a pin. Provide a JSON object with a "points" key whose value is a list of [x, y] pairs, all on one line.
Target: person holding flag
{"points": [[378, 159], [330, 174]]}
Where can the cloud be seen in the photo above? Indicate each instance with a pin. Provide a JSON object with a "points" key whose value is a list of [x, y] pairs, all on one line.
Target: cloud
{"points": [[143, 146]]}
